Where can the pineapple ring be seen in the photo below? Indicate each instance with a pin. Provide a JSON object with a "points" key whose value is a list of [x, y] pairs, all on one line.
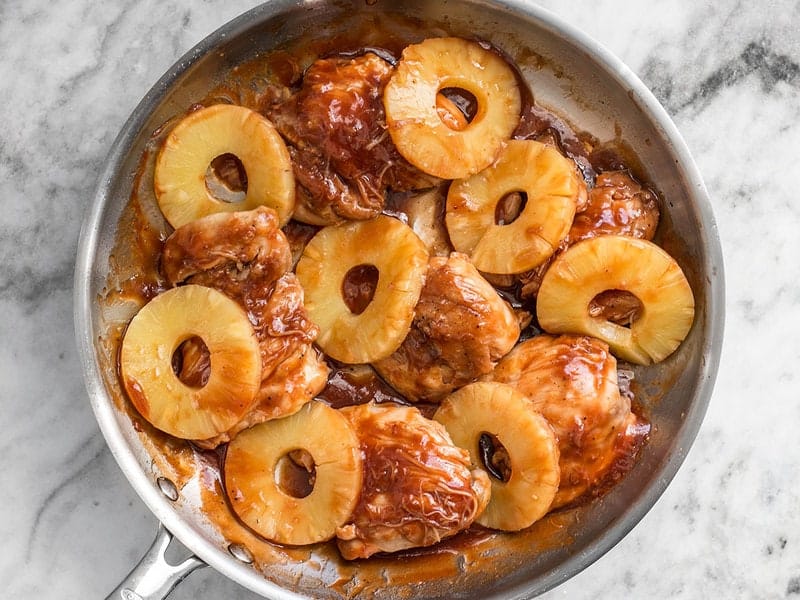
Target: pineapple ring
{"points": [[252, 465], [153, 336], [202, 136], [401, 259], [613, 262], [502, 411], [415, 124], [553, 187]]}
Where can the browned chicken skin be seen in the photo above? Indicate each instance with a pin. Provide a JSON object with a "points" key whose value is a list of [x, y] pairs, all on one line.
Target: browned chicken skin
{"points": [[247, 257], [461, 328], [343, 157], [418, 487], [617, 205], [572, 381], [237, 252]]}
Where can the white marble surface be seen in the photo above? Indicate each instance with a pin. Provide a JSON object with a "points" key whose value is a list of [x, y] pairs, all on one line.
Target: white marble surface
{"points": [[728, 73]]}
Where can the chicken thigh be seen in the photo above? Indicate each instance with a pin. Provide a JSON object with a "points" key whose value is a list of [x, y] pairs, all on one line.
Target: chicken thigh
{"points": [[343, 157], [418, 487], [461, 328]]}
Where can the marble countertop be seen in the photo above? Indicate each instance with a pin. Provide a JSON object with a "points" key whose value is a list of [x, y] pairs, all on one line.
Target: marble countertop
{"points": [[729, 75]]}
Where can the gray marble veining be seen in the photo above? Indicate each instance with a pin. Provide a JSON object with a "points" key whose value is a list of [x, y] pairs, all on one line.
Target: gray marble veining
{"points": [[729, 75]]}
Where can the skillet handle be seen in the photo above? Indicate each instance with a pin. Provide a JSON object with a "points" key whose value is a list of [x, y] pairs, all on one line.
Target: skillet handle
{"points": [[154, 578]]}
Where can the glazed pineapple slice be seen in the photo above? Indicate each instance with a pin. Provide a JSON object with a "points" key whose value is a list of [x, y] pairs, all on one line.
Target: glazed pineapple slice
{"points": [[623, 263], [552, 186], [328, 269], [513, 443], [208, 133], [152, 338], [317, 439], [449, 148]]}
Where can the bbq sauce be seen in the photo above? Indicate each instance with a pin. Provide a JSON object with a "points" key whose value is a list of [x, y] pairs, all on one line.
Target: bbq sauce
{"points": [[350, 385], [358, 287]]}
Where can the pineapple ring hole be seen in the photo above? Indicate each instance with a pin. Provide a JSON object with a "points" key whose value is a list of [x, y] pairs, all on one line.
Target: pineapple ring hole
{"points": [[226, 178], [296, 473], [510, 207], [621, 307], [358, 287], [456, 107], [494, 457], [191, 362]]}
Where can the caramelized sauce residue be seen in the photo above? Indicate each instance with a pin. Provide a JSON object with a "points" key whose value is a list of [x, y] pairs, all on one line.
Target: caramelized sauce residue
{"points": [[350, 385]]}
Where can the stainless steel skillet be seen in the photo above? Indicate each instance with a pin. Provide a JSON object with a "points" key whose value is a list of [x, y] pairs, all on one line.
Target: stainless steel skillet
{"points": [[570, 74]]}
